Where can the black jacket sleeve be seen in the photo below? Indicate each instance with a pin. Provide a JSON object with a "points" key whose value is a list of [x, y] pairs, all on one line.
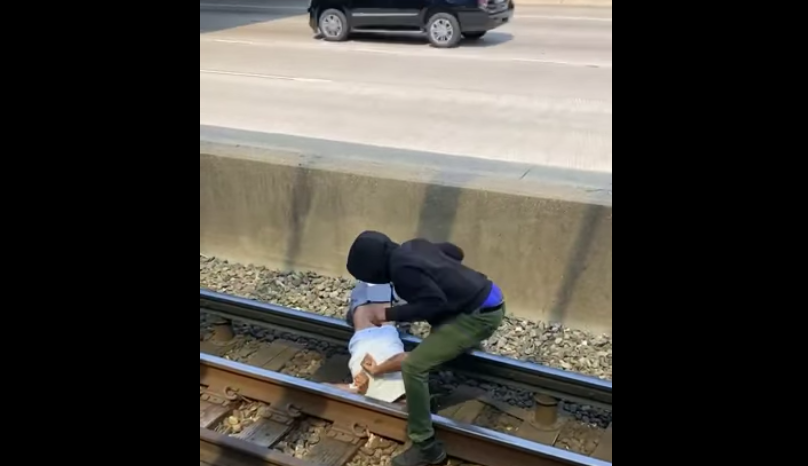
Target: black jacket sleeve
{"points": [[424, 298], [452, 250]]}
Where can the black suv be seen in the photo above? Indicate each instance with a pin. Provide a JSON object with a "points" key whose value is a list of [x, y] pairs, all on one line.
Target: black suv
{"points": [[444, 21]]}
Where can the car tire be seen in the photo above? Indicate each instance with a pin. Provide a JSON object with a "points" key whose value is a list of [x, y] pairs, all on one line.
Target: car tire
{"points": [[333, 25], [443, 31], [473, 35]]}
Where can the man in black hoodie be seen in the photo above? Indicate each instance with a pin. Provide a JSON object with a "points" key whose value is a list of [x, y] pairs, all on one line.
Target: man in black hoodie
{"points": [[462, 305]]}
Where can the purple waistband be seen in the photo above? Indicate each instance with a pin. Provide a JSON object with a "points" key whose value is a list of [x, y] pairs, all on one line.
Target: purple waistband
{"points": [[494, 297]]}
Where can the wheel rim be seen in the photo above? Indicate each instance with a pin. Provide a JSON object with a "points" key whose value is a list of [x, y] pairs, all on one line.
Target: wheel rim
{"points": [[331, 26], [441, 31]]}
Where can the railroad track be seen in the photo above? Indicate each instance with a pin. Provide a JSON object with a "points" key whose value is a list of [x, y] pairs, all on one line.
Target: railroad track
{"points": [[249, 410]]}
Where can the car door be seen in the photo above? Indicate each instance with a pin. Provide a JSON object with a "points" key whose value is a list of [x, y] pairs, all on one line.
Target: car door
{"points": [[407, 12], [367, 13], [386, 14]]}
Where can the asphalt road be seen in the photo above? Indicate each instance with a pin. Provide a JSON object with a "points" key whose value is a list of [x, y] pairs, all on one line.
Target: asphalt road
{"points": [[538, 90]]}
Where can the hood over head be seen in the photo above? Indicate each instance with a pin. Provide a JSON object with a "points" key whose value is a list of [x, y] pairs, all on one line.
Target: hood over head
{"points": [[369, 257]]}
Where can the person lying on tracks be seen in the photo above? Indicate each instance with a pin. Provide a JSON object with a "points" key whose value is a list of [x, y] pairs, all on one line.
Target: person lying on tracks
{"points": [[374, 342], [462, 305]]}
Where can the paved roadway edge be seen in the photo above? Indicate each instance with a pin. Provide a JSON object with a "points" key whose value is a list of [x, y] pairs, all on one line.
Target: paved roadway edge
{"points": [[588, 3], [560, 3], [431, 168], [576, 3]]}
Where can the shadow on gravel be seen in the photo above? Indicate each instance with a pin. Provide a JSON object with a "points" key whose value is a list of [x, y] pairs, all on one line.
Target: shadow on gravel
{"points": [[219, 15]]}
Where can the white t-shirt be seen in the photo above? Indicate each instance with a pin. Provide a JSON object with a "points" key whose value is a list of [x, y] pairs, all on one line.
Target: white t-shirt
{"points": [[381, 343]]}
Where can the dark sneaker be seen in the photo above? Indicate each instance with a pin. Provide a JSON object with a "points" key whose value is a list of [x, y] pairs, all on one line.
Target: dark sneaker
{"points": [[426, 453], [434, 403]]}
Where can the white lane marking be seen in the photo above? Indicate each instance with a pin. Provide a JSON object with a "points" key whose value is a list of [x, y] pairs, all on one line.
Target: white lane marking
{"points": [[266, 76], [344, 48], [563, 18], [557, 62], [466, 56], [253, 7], [234, 41]]}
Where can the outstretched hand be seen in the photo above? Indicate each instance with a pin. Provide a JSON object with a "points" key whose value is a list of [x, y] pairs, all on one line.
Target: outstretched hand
{"points": [[369, 364], [361, 382]]}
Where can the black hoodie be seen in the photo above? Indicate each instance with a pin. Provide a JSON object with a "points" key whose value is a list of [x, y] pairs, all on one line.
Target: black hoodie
{"points": [[429, 276]]}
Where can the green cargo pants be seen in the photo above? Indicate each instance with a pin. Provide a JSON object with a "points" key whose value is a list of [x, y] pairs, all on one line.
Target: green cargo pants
{"points": [[443, 344]]}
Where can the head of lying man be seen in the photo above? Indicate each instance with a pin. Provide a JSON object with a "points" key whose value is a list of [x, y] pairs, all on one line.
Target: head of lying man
{"points": [[377, 351]]}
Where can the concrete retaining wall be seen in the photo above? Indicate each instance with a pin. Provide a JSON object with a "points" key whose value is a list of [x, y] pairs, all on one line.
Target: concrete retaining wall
{"points": [[545, 235]]}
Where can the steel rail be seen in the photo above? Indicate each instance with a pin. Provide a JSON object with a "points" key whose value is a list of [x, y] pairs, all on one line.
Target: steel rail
{"points": [[216, 448], [467, 442], [535, 377]]}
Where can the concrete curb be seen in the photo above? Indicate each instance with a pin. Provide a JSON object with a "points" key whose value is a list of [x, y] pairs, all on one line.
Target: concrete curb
{"points": [[503, 177]]}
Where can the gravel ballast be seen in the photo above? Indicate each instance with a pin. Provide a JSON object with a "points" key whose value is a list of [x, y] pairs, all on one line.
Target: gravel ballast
{"points": [[304, 437], [545, 343]]}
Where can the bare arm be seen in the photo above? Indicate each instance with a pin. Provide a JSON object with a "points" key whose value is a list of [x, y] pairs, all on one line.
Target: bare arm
{"points": [[391, 365], [359, 385]]}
